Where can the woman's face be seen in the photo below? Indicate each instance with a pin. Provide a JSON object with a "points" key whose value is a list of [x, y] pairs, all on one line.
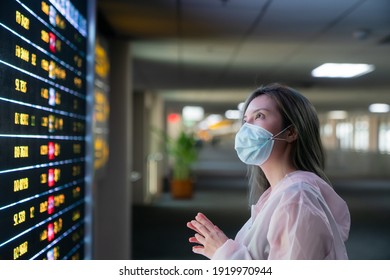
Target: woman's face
{"points": [[262, 111]]}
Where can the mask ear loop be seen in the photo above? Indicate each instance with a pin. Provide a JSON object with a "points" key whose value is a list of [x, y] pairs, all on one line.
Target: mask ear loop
{"points": [[283, 130]]}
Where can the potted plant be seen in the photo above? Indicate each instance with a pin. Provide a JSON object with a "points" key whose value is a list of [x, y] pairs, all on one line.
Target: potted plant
{"points": [[183, 154]]}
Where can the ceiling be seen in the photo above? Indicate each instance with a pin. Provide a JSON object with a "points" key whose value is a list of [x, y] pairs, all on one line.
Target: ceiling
{"points": [[215, 52]]}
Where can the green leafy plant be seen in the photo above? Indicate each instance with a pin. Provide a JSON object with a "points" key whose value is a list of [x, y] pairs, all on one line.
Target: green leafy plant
{"points": [[183, 152]]}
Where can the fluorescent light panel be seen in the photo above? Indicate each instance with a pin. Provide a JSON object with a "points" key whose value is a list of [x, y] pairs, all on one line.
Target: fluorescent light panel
{"points": [[233, 114], [193, 113], [379, 108], [337, 115], [342, 70]]}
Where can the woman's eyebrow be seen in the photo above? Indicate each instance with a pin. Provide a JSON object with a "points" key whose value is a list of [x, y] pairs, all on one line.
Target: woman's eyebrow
{"points": [[254, 112], [258, 110]]}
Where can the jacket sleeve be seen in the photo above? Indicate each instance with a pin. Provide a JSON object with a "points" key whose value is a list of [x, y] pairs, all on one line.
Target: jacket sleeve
{"points": [[232, 250], [299, 231]]}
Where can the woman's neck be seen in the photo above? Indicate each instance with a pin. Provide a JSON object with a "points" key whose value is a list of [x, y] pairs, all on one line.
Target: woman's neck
{"points": [[276, 172]]}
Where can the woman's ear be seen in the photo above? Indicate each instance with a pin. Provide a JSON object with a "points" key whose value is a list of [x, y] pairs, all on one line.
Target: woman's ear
{"points": [[292, 134]]}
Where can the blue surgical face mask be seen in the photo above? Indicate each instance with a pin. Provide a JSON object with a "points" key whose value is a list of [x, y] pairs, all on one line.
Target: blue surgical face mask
{"points": [[254, 144]]}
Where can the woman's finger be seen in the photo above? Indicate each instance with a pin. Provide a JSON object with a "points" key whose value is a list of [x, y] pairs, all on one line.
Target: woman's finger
{"points": [[200, 238], [201, 218], [191, 226], [193, 240], [198, 249], [200, 228]]}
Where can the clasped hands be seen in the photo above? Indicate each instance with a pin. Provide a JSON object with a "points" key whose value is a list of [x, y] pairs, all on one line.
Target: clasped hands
{"points": [[208, 236]]}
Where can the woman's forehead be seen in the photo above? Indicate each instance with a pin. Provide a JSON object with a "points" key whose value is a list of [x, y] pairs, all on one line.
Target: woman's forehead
{"points": [[261, 102]]}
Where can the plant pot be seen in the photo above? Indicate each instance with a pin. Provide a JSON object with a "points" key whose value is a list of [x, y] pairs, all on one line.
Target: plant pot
{"points": [[182, 189]]}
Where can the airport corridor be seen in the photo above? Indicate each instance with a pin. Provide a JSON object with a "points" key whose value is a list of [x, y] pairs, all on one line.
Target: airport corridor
{"points": [[160, 232]]}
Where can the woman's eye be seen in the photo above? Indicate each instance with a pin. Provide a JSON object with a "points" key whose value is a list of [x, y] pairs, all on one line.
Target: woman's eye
{"points": [[259, 115]]}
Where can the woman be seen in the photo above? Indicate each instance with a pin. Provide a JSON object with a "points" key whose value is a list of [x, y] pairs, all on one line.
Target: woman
{"points": [[296, 213]]}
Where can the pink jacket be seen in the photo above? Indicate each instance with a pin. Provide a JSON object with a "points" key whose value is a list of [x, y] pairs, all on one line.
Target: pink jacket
{"points": [[302, 217]]}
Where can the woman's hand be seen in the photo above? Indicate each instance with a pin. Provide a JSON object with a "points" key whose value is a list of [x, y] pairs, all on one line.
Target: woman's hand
{"points": [[208, 235]]}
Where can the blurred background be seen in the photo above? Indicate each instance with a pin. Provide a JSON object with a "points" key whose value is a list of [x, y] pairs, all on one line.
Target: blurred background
{"points": [[176, 74]]}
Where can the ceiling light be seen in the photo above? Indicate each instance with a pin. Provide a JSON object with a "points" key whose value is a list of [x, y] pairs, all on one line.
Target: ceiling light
{"points": [[193, 113], [342, 70], [210, 120], [213, 119], [233, 114], [379, 108], [337, 115]]}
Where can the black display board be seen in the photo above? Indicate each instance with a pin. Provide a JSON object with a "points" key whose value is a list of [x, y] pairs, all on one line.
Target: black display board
{"points": [[43, 113]]}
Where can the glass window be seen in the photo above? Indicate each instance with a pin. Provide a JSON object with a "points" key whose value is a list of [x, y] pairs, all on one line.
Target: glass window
{"points": [[384, 137], [344, 134], [361, 137]]}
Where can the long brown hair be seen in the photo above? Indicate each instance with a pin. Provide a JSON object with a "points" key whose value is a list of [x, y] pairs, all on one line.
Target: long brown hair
{"points": [[296, 110]]}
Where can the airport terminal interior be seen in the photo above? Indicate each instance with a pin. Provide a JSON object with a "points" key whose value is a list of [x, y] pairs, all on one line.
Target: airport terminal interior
{"points": [[193, 63], [104, 103], [221, 193], [204, 59]]}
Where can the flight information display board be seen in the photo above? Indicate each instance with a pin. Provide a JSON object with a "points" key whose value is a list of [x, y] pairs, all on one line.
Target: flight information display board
{"points": [[43, 105], [101, 107]]}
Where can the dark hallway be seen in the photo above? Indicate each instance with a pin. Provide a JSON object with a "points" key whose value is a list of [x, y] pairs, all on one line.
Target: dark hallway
{"points": [[159, 230]]}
